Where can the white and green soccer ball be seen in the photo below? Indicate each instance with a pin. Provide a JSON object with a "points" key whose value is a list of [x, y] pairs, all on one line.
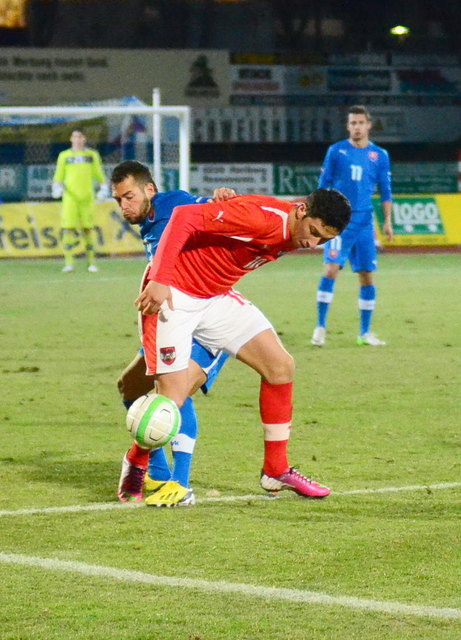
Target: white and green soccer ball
{"points": [[153, 420]]}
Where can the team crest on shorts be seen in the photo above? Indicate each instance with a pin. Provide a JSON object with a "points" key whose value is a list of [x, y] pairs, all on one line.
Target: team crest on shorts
{"points": [[168, 355], [333, 253]]}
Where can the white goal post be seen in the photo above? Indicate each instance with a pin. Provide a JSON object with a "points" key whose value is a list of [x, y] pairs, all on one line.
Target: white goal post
{"points": [[155, 116]]}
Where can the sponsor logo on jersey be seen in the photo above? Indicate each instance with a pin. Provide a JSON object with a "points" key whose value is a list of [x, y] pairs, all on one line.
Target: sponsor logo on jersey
{"points": [[168, 354], [373, 155]]}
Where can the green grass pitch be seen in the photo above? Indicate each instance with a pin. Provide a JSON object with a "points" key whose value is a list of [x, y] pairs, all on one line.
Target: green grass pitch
{"points": [[362, 564]]}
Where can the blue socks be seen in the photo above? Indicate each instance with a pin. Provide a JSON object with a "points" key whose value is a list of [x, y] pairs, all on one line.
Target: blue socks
{"points": [[367, 301], [324, 298], [183, 444]]}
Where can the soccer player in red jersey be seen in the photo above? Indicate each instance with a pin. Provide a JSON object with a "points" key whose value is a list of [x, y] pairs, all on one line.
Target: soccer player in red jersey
{"points": [[188, 292]]}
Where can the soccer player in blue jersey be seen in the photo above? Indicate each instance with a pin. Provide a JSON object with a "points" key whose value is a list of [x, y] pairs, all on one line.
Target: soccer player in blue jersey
{"points": [[140, 202], [355, 167]]}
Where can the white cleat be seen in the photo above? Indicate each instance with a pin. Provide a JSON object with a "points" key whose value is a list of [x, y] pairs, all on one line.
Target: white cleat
{"points": [[318, 337], [68, 268], [92, 268], [370, 339]]}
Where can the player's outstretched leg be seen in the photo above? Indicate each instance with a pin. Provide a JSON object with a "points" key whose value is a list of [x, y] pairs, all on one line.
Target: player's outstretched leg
{"points": [[277, 475]]}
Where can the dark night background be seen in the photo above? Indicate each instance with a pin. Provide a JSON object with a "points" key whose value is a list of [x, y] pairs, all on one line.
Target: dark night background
{"points": [[313, 31]]}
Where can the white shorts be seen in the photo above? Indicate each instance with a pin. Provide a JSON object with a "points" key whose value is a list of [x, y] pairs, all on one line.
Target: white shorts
{"points": [[225, 322]]}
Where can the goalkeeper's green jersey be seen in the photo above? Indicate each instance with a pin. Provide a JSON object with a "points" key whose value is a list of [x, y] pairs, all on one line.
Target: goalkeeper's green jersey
{"points": [[77, 171]]}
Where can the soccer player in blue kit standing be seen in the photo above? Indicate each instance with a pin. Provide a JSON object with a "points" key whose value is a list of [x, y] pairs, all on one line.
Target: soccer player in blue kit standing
{"points": [[140, 203], [355, 166]]}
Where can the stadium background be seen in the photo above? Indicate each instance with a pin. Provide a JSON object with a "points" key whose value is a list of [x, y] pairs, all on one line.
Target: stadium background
{"points": [[268, 84]]}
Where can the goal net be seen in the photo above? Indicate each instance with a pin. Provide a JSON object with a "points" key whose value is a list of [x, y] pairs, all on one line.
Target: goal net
{"points": [[121, 129]]}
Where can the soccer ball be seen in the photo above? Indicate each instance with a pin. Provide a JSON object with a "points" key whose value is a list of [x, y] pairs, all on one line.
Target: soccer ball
{"points": [[153, 420]]}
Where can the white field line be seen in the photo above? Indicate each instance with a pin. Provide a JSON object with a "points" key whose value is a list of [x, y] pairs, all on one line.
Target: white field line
{"points": [[107, 506], [235, 588], [414, 487]]}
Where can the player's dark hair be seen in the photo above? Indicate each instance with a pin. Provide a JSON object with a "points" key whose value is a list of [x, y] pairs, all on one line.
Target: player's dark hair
{"points": [[359, 109], [331, 207], [138, 171]]}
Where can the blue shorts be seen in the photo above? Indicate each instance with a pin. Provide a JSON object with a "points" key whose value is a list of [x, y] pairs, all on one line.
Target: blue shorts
{"points": [[210, 364], [356, 244]]}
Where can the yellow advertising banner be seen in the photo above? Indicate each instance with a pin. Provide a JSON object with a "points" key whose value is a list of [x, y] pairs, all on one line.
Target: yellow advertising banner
{"points": [[32, 229], [424, 219]]}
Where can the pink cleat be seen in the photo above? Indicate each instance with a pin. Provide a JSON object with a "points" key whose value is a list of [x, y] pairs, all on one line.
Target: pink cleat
{"points": [[296, 482], [131, 479]]}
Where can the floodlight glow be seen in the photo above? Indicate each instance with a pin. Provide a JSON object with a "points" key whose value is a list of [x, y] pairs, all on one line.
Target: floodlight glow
{"points": [[400, 30]]}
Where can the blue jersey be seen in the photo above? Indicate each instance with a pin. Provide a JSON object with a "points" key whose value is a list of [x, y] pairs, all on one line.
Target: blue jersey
{"points": [[152, 227], [356, 172]]}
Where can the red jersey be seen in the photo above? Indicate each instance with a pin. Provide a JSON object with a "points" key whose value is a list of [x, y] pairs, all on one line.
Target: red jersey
{"points": [[206, 248]]}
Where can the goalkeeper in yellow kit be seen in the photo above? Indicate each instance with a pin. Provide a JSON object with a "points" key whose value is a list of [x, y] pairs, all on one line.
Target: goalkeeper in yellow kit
{"points": [[77, 171]]}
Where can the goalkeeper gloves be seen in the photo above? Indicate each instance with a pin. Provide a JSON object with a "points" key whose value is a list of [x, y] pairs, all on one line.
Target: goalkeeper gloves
{"points": [[103, 192], [56, 190]]}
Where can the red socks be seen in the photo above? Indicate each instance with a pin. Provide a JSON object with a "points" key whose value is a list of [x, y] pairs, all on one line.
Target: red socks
{"points": [[275, 404], [138, 456]]}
